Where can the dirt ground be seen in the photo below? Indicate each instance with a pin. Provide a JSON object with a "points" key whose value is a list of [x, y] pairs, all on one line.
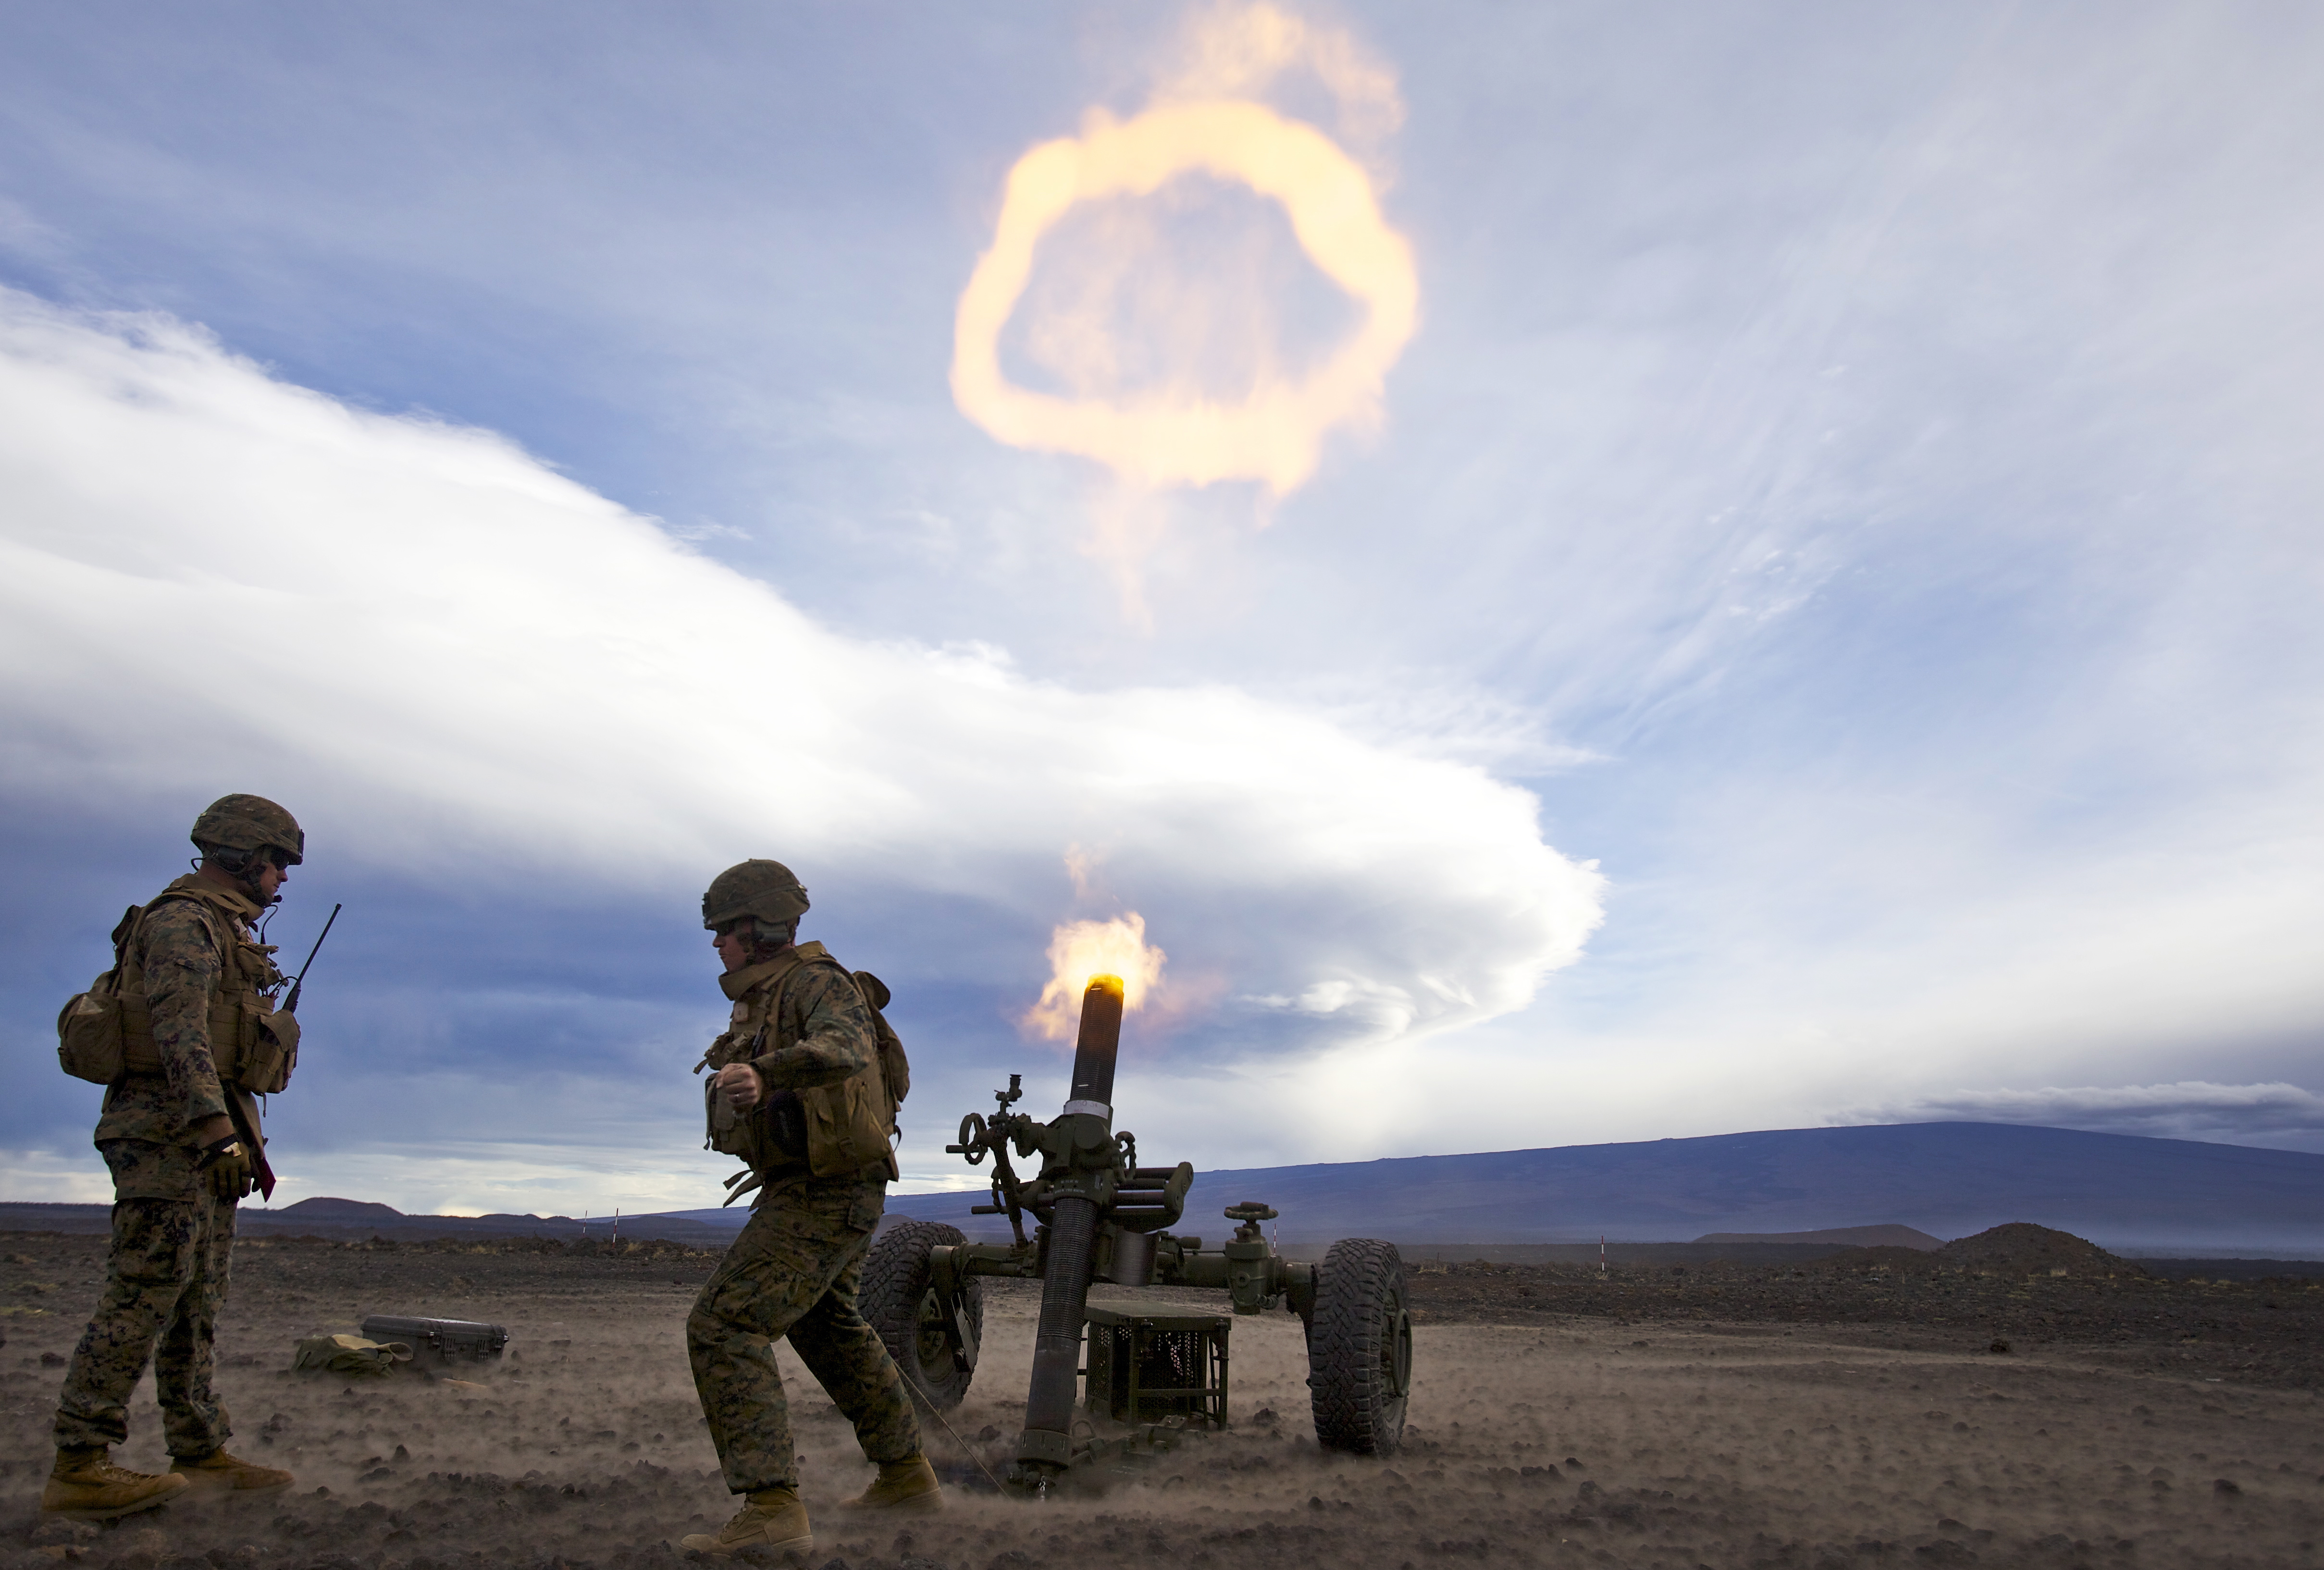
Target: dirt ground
{"points": [[1644, 1421], [2267, 1334]]}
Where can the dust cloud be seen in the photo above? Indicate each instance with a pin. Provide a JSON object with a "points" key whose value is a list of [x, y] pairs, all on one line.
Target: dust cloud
{"points": [[1578, 1439]]}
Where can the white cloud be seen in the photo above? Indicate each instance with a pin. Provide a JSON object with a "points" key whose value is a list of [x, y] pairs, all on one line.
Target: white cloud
{"points": [[435, 647], [2189, 1109], [39, 1176]]}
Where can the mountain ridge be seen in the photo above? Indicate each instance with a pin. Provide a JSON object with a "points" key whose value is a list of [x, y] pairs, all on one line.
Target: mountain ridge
{"points": [[1780, 1189], [1945, 1179]]}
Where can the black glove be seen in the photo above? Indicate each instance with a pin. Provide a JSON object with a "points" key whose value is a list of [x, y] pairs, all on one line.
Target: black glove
{"points": [[226, 1166]]}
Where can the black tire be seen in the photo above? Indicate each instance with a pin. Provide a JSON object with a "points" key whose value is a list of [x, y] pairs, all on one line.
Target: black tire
{"points": [[1359, 1348], [899, 1302]]}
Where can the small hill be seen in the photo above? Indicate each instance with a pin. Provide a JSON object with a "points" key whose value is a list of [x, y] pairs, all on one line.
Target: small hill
{"points": [[338, 1212], [2022, 1248]]}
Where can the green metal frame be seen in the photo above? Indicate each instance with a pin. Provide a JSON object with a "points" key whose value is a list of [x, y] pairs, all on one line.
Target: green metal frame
{"points": [[1125, 1344]]}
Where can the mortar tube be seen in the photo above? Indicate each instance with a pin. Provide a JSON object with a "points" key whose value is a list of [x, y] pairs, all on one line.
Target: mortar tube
{"points": [[1047, 1439], [1097, 1048]]}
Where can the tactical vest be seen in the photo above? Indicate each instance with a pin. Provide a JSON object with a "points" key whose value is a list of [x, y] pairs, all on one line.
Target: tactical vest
{"points": [[834, 1129], [108, 1031]]}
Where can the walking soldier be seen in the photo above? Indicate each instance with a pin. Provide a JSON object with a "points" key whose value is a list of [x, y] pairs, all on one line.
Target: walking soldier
{"points": [[807, 1082]]}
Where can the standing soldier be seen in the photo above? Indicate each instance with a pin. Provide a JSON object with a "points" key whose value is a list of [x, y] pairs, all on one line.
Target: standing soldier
{"points": [[192, 986], [804, 1093]]}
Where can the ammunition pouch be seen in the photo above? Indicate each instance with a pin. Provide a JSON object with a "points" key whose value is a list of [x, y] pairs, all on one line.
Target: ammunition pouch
{"points": [[785, 1118], [266, 1063], [847, 1125], [762, 1137], [89, 1034], [106, 1032]]}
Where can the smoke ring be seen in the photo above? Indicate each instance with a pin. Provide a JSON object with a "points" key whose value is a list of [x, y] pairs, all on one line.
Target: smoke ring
{"points": [[1273, 436]]}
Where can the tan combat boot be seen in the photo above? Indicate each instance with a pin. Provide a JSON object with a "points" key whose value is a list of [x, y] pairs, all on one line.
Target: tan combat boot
{"points": [[87, 1486], [910, 1484], [772, 1518], [219, 1473]]}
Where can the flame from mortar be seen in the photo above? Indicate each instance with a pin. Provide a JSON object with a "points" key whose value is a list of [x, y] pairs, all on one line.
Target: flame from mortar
{"points": [[1080, 951]]}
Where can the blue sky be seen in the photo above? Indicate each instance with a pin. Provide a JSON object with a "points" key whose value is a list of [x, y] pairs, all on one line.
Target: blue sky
{"points": [[1822, 630]]}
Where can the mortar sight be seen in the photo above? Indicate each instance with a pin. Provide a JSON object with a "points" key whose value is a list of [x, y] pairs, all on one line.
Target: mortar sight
{"points": [[1100, 1216]]}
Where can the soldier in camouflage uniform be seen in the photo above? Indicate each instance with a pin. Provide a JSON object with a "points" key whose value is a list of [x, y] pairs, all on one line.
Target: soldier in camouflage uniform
{"points": [[179, 1168], [799, 1095]]}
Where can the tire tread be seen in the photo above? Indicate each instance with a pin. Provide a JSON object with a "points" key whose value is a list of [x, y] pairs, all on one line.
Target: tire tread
{"points": [[1359, 1289], [895, 1280]]}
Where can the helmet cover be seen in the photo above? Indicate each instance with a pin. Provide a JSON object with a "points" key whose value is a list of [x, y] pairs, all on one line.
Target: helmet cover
{"points": [[243, 822], [757, 887]]}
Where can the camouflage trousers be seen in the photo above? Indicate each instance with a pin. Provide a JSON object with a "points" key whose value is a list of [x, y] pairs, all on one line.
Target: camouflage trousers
{"points": [[794, 1272], [165, 1281]]}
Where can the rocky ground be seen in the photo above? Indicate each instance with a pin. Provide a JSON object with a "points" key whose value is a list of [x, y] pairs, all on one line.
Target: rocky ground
{"points": [[1846, 1417], [2263, 1333]]}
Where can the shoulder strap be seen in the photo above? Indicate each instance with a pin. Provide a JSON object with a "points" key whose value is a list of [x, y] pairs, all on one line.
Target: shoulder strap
{"points": [[803, 956], [205, 907], [189, 886], [122, 934]]}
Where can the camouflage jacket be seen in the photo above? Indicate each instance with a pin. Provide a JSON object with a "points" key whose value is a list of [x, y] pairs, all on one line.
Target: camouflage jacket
{"points": [[801, 1021], [177, 957], [808, 1029]]}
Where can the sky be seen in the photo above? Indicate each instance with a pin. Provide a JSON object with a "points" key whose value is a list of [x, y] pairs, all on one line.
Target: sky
{"points": [[1584, 572]]}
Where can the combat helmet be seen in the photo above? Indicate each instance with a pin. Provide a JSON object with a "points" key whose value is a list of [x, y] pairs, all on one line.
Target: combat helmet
{"points": [[245, 824], [757, 887]]}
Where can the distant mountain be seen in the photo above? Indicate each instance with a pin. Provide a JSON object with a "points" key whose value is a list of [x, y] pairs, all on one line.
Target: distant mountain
{"points": [[1777, 1194], [357, 1218], [1943, 1180], [1843, 1236]]}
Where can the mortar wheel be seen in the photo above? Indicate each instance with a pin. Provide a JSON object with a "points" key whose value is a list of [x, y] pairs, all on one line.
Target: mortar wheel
{"points": [[899, 1299], [1359, 1348]]}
